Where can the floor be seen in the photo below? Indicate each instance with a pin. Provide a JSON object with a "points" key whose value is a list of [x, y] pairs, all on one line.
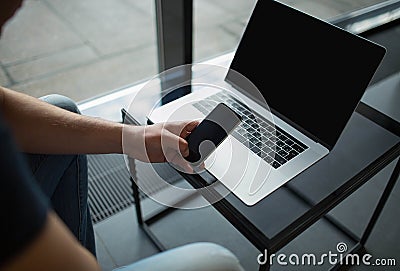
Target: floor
{"points": [[120, 241], [77, 52]]}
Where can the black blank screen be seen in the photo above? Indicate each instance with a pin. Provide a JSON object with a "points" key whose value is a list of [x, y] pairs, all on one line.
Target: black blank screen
{"points": [[310, 72]]}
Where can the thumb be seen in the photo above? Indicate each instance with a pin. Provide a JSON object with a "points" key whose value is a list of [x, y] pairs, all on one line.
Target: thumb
{"points": [[176, 143], [188, 128]]}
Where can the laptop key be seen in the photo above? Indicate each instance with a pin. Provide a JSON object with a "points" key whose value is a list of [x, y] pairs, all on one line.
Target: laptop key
{"points": [[255, 149], [279, 159], [289, 142], [261, 136], [282, 153], [298, 148], [290, 156], [280, 143], [275, 164]]}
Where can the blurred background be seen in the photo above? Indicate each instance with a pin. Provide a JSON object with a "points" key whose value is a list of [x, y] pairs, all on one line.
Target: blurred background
{"points": [[84, 49]]}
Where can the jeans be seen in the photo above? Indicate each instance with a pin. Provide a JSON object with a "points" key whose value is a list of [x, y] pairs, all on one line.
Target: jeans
{"points": [[200, 256], [64, 180]]}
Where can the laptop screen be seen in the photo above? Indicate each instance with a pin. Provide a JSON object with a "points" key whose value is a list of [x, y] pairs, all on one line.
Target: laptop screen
{"points": [[310, 72]]}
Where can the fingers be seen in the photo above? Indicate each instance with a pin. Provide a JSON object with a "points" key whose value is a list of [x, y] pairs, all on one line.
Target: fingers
{"points": [[199, 168], [181, 163], [171, 141], [183, 147], [174, 146], [188, 128], [175, 149], [181, 128]]}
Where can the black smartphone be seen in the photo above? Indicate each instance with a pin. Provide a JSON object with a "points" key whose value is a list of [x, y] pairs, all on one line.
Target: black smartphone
{"points": [[211, 131]]}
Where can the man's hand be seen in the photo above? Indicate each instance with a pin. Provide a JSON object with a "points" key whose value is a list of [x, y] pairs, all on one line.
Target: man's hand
{"points": [[162, 142]]}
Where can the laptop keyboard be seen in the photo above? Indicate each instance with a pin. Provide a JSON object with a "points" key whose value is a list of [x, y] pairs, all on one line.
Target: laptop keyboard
{"points": [[268, 141]]}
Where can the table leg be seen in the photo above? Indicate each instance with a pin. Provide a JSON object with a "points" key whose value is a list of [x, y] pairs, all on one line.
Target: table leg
{"points": [[381, 204], [136, 199], [264, 267], [142, 223], [264, 264]]}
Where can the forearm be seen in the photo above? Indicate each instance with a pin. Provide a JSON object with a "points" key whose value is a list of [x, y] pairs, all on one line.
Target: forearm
{"points": [[43, 128]]}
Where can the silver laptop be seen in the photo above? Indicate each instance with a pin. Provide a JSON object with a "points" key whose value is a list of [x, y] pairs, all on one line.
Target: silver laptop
{"points": [[312, 75]]}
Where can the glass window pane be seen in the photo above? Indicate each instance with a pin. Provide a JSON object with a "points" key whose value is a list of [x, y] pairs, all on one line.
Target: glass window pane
{"points": [[218, 25], [81, 49], [328, 9]]}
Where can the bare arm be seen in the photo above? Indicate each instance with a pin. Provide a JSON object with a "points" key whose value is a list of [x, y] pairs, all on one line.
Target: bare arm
{"points": [[55, 248], [43, 128]]}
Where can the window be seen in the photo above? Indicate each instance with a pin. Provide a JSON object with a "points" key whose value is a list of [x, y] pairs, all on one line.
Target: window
{"points": [[84, 49]]}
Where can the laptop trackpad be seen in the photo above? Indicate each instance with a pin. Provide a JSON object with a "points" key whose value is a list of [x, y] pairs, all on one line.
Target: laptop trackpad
{"points": [[248, 176]]}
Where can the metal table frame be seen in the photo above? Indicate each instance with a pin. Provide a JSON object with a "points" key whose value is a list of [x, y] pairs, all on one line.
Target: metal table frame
{"points": [[319, 210]]}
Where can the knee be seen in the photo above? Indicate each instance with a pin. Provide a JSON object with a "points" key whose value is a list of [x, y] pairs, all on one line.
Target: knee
{"points": [[62, 102], [214, 256], [192, 257]]}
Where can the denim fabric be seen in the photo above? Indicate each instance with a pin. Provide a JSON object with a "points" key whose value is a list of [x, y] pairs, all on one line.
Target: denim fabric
{"points": [[64, 180]]}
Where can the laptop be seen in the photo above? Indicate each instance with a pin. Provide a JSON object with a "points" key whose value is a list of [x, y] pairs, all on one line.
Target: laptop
{"points": [[312, 76]]}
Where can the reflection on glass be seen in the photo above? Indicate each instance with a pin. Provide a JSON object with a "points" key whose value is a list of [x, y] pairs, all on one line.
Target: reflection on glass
{"points": [[218, 25]]}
